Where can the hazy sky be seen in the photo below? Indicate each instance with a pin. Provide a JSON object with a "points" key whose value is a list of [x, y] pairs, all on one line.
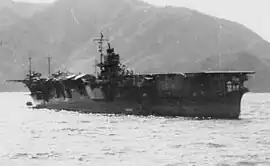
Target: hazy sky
{"points": [[254, 14]]}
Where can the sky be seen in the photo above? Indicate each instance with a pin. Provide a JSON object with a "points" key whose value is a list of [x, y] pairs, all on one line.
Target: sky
{"points": [[254, 14]]}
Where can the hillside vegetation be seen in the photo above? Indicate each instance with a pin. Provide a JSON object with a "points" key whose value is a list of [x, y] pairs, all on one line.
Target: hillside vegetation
{"points": [[148, 38]]}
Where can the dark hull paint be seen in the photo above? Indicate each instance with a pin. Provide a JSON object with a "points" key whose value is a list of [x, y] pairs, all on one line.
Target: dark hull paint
{"points": [[227, 110], [215, 94]]}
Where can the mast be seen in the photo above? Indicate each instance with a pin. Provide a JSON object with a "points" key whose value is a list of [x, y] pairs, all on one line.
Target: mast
{"points": [[218, 44], [218, 61], [49, 65], [95, 66], [30, 66], [100, 43], [30, 71], [218, 53]]}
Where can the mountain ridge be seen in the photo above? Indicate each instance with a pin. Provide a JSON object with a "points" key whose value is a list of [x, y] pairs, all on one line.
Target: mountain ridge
{"points": [[148, 38]]}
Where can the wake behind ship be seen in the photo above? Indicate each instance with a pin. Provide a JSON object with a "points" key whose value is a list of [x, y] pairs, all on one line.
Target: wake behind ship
{"points": [[117, 90]]}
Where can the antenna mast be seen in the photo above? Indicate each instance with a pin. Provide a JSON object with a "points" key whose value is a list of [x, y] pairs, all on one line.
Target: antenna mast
{"points": [[100, 43], [218, 43], [218, 61], [49, 65], [30, 70], [30, 66], [95, 66]]}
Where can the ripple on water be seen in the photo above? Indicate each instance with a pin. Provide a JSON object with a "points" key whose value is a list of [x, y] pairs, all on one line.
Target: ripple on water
{"points": [[67, 138], [36, 156]]}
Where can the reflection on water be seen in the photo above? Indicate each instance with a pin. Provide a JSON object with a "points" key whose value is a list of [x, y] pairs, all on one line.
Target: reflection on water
{"points": [[42, 137]]}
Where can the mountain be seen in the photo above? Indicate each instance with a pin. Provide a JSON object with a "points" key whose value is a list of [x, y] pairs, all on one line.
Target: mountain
{"points": [[148, 38], [23, 9], [12, 12], [5, 3]]}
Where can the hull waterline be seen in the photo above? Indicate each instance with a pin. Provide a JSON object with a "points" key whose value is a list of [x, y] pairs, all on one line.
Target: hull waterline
{"points": [[228, 110]]}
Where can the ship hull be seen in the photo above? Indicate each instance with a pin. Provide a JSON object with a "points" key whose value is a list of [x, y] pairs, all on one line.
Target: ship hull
{"points": [[188, 99], [117, 90], [213, 110], [220, 111], [202, 109]]}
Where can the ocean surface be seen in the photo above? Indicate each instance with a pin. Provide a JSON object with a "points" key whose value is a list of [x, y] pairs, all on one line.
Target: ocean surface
{"points": [[48, 138]]}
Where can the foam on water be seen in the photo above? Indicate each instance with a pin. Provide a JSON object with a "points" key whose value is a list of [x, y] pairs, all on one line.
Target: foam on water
{"points": [[42, 137]]}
